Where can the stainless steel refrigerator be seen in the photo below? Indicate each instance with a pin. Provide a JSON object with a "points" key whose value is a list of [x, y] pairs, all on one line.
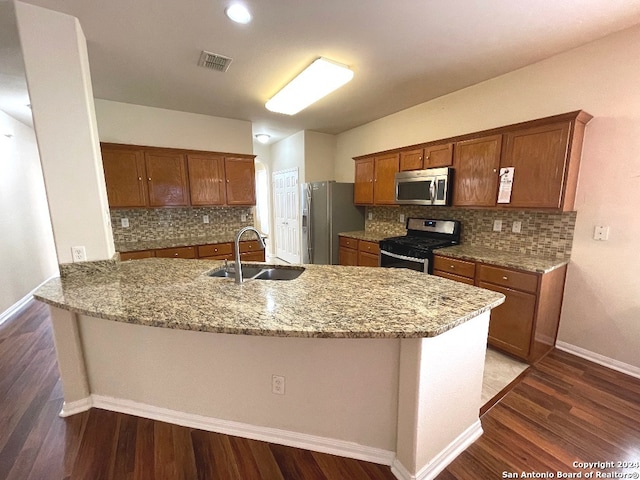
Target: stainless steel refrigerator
{"points": [[327, 209]]}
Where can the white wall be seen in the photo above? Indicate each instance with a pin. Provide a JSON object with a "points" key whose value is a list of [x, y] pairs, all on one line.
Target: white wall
{"points": [[57, 68], [27, 251], [140, 125], [602, 295], [319, 152], [289, 153]]}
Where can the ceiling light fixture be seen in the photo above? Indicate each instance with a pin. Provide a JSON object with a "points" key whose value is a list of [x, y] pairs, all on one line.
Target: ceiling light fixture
{"points": [[262, 137], [238, 13], [319, 79]]}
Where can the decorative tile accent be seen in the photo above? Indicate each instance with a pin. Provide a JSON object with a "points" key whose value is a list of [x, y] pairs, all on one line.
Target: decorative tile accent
{"points": [[542, 234], [147, 224]]}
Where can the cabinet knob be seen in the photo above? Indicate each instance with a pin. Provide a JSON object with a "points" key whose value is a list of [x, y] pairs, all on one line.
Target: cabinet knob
{"points": [[227, 180], [505, 278], [149, 178], [140, 178], [495, 170], [453, 267], [175, 254], [215, 249], [426, 157]]}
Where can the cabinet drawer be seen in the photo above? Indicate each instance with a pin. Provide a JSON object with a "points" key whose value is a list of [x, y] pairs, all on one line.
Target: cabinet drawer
{"points": [[369, 247], [348, 242], [180, 252], [527, 282], [455, 266], [136, 255], [451, 276], [257, 256], [250, 246], [216, 249]]}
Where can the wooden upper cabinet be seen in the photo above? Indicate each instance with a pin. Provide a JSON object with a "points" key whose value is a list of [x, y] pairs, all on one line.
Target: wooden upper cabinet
{"points": [[385, 169], [363, 188], [125, 176], [206, 179], [167, 179], [539, 157], [476, 164], [438, 155], [411, 160], [240, 176]]}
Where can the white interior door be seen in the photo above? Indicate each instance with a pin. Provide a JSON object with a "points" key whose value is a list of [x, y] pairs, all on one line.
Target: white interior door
{"points": [[286, 203]]}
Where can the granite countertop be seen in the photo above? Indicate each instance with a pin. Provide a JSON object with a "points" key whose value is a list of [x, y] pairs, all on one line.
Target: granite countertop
{"points": [[501, 258], [222, 237], [325, 301], [365, 235]]}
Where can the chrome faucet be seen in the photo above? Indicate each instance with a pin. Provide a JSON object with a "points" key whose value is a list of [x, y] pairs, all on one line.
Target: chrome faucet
{"points": [[237, 244]]}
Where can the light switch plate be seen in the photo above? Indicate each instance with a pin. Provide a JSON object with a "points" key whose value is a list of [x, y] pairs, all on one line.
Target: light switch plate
{"points": [[205, 219], [125, 222], [497, 225], [402, 218], [370, 216], [243, 217]]}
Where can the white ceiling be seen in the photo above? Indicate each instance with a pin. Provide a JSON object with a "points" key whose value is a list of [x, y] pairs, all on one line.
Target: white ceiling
{"points": [[403, 52]]}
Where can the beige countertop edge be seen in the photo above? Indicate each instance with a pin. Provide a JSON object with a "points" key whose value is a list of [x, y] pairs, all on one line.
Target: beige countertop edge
{"points": [[277, 332], [519, 264]]}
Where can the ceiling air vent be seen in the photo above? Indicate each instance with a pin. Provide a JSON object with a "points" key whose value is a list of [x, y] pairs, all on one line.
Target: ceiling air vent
{"points": [[214, 61]]}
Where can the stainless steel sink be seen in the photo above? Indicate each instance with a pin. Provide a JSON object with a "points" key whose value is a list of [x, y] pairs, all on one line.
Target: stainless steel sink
{"points": [[260, 273], [280, 274], [247, 272]]}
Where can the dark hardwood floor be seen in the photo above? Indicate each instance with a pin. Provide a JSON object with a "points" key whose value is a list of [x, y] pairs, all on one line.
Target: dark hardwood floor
{"points": [[564, 410]]}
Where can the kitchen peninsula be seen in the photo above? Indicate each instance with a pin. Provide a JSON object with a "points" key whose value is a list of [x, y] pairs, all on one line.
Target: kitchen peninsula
{"points": [[383, 365]]}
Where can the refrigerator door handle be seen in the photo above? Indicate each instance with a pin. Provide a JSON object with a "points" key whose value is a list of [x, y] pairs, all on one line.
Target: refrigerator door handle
{"points": [[309, 224]]}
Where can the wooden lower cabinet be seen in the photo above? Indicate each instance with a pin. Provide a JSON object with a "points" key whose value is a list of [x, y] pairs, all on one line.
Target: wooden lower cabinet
{"points": [[526, 324], [356, 252], [137, 255], [250, 251]]}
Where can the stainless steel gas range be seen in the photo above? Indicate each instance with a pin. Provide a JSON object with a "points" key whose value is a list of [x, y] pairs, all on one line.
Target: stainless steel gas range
{"points": [[415, 249]]}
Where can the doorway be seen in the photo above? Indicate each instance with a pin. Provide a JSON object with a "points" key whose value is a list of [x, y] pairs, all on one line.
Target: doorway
{"points": [[286, 204]]}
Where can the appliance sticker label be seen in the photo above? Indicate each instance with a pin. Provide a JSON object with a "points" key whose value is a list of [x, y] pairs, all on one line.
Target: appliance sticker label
{"points": [[506, 184]]}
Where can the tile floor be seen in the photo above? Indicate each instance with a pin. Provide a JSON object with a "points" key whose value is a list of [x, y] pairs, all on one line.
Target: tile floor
{"points": [[499, 371]]}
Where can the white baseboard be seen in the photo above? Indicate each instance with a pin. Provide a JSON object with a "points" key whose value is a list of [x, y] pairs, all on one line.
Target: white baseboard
{"points": [[20, 304], [621, 367], [254, 432], [79, 406], [444, 458]]}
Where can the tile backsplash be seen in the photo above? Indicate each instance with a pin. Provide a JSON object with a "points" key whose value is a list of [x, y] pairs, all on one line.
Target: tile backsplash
{"points": [[180, 222], [542, 234]]}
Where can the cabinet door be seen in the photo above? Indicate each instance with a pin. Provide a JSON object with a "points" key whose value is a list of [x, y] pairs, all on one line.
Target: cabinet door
{"points": [[368, 260], [363, 188], [539, 157], [240, 176], [411, 160], [206, 179], [167, 179], [125, 176], [476, 165], [451, 276], [384, 179], [348, 256], [438, 155], [511, 323]]}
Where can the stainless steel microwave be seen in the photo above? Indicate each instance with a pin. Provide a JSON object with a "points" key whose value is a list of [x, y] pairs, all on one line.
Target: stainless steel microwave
{"points": [[424, 187]]}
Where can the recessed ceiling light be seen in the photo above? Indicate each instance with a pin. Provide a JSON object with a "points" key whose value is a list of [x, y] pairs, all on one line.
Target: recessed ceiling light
{"points": [[238, 13], [319, 79], [262, 137]]}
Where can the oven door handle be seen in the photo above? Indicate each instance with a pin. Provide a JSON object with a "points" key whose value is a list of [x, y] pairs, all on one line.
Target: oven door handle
{"points": [[402, 257]]}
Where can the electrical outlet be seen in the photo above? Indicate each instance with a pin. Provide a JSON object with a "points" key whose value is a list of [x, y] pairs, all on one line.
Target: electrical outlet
{"points": [[125, 222], [243, 217], [205, 219], [402, 218], [370, 216], [516, 227], [601, 232], [277, 384], [497, 225], [79, 254]]}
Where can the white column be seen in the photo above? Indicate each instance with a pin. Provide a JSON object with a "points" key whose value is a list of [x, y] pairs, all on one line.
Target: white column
{"points": [[439, 397], [57, 68]]}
